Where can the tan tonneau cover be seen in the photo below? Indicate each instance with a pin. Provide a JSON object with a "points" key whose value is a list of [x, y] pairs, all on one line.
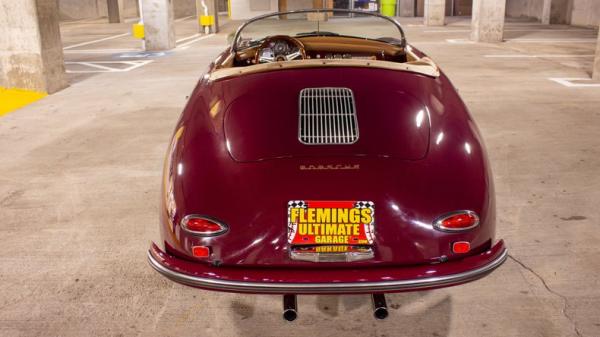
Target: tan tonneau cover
{"points": [[423, 66]]}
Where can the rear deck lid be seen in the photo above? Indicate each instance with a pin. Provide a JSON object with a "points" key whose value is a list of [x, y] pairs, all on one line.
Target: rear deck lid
{"points": [[293, 121]]}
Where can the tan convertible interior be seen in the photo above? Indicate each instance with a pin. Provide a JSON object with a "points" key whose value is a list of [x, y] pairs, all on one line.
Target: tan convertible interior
{"points": [[321, 51]]}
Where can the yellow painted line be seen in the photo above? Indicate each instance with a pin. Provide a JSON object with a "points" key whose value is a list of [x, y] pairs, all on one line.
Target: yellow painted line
{"points": [[13, 99]]}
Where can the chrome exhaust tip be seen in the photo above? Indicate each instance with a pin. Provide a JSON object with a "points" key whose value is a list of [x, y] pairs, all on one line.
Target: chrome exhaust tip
{"points": [[290, 310], [380, 310]]}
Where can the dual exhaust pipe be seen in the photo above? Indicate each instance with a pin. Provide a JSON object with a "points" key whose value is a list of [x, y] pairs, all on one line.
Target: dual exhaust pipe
{"points": [[290, 307]]}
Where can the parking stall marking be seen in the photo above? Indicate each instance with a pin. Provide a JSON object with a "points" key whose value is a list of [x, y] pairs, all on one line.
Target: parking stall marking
{"points": [[104, 66], [95, 41], [570, 82]]}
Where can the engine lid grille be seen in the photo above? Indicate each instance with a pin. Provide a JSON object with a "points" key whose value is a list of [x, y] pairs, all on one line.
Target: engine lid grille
{"points": [[327, 117]]}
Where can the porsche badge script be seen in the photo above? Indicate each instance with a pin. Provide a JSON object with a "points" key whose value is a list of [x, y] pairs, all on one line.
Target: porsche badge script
{"points": [[330, 167]]}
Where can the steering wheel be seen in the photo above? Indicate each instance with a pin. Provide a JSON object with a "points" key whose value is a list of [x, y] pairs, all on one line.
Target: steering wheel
{"points": [[278, 48]]}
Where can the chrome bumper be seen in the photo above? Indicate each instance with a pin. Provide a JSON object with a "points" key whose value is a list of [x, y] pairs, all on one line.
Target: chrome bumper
{"points": [[498, 254]]}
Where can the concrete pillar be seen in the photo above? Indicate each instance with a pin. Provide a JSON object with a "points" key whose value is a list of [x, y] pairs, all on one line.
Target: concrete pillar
{"points": [[406, 8], [211, 10], [547, 5], [31, 51], [115, 11], [159, 26], [487, 23], [596, 70], [435, 12]]}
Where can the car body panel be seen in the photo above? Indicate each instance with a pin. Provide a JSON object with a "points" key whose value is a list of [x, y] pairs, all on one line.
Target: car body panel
{"points": [[251, 197], [263, 124], [235, 157]]}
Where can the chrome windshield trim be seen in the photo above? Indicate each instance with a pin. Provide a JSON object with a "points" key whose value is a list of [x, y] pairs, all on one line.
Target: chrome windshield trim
{"points": [[323, 10], [329, 288]]}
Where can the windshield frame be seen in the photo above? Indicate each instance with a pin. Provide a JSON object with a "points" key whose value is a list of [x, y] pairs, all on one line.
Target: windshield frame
{"points": [[238, 35]]}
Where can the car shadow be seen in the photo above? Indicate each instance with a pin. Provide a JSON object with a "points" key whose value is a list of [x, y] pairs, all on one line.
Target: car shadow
{"points": [[411, 313]]}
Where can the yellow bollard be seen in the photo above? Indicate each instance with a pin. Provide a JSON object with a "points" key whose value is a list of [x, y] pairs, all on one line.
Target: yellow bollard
{"points": [[137, 30], [207, 20]]}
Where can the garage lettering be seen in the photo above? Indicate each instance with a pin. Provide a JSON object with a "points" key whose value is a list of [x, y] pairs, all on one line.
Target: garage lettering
{"points": [[328, 229]]}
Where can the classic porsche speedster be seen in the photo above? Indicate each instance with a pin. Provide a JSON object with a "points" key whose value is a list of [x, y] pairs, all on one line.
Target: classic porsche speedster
{"points": [[321, 153]]}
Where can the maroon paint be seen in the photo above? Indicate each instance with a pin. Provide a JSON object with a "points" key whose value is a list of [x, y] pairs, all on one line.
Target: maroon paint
{"points": [[413, 173]]}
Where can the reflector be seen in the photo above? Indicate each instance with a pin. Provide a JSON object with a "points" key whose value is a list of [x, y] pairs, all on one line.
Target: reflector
{"points": [[201, 251], [461, 247]]}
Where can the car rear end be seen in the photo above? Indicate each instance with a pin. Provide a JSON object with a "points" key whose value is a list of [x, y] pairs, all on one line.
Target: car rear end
{"points": [[343, 180]]}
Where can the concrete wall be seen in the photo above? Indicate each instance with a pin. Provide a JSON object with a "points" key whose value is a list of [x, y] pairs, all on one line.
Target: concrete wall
{"points": [[89, 9], [560, 11], [586, 13], [524, 9], [299, 4], [461, 7], [78, 9], [576, 12], [246, 9], [183, 8], [130, 7]]}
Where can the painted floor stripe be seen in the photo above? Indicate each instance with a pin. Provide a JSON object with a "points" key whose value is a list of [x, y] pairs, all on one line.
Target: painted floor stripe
{"points": [[102, 66], [185, 18], [96, 41], [520, 40], [536, 56], [448, 31], [101, 51], [467, 41], [568, 82], [460, 41], [511, 30], [195, 40], [187, 38]]}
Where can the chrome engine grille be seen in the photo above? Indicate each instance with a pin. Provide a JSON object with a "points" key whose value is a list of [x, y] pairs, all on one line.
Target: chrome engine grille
{"points": [[327, 117]]}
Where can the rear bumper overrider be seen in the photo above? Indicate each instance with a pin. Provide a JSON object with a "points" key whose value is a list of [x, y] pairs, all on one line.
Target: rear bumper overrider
{"points": [[327, 281]]}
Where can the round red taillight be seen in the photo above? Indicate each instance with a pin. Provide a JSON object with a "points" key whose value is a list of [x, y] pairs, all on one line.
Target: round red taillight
{"points": [[201, 225], [457, 221]]}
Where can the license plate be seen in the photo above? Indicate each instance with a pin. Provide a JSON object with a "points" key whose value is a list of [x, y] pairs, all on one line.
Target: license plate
{"points": [[313, 222]]}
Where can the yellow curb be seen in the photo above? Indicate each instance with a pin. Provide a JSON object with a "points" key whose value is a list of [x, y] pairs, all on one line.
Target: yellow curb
{"points": [[13, 99]]}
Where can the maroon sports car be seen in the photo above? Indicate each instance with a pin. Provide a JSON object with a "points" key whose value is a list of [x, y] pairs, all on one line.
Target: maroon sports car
{"points": [[316, 156]]}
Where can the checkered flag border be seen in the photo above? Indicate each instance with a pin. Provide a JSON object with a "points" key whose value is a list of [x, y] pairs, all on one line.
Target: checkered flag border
{"points": [[297, 203], [364, 204]]}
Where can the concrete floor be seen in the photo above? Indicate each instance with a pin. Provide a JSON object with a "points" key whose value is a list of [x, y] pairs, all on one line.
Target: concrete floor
{"points": [[79, 189]]}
